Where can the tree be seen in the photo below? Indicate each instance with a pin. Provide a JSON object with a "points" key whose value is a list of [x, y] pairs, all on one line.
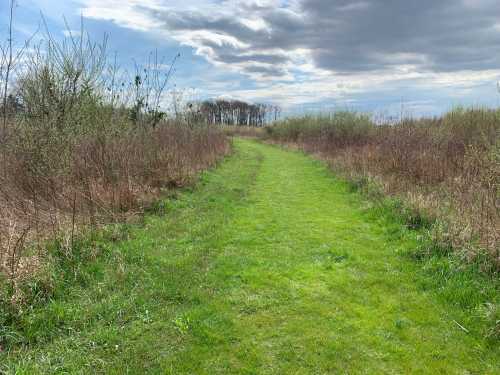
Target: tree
{"points": [[238, 113], [9, 57]]}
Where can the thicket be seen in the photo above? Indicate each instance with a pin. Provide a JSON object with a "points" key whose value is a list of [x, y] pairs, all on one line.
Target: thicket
{"points": [[446, 169], [82, 143]]}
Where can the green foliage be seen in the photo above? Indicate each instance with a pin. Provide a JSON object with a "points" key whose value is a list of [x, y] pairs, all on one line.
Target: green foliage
{"points": [[269, 265], [446, 168], [79, 154]]}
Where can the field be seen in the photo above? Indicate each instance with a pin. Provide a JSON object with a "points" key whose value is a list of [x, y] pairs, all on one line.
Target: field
{"points": [[140, 233], [270, 265], [445, 170]]}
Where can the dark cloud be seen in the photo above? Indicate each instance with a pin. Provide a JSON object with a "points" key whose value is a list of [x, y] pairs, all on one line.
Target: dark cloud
{"points": [[347, 36], [230, 54], [266, 70], [445, 35]]}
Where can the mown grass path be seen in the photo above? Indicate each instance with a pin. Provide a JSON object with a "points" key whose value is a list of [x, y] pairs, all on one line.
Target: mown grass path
{"points": [[270, 266]]}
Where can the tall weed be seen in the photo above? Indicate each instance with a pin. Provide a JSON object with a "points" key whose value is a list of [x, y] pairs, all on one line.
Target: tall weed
{"points": [[446, 167]]}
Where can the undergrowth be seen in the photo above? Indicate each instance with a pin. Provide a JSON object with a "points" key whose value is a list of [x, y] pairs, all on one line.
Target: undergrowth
{"points": [[473, 285], [62, 272], [84, 144], [445, 168]]}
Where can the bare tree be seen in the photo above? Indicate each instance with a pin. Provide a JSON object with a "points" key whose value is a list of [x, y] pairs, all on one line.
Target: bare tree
{"points": [[6, 66], [9, 57], [59, 78], [149, 84]]}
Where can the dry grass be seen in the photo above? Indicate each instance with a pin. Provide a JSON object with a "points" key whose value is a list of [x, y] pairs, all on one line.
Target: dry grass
{"points": [[81, 147], [92, 180], [243, 131], [448, 168]]}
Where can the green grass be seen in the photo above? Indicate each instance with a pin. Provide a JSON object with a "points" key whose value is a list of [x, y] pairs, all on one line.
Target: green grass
{"points": [[269, 266]]}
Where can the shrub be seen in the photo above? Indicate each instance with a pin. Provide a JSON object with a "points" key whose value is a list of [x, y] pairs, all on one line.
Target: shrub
{"points": [[72, 157], [447, 167]]}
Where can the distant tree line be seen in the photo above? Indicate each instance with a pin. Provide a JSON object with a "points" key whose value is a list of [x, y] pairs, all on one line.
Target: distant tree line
{"points": [[219, 112], [235, 112]]}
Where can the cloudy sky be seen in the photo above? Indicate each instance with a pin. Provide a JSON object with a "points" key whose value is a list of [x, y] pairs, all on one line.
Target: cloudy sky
{"points": [[305, 55]]}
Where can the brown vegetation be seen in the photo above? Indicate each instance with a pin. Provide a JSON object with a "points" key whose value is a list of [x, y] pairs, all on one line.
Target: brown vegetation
{"points": [[448, 168], [244, 131], [81, 147]]}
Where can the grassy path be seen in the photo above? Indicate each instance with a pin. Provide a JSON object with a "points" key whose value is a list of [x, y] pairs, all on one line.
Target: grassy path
{"points": [[270, 266]]}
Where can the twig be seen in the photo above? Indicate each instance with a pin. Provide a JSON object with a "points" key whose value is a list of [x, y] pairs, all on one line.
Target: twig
{"points": [[461, 326]]}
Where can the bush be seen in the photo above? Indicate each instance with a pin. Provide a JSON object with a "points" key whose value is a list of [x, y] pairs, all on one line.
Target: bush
{"points": [[446, 167], [72, 157]]}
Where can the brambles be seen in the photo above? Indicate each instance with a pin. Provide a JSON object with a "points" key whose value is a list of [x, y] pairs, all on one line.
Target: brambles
{"points": [[447, 168], [243, 131], [74, 157]]}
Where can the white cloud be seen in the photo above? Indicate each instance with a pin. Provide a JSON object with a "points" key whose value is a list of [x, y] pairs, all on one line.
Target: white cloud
{"points": [[122, 13], [301, 76]]}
